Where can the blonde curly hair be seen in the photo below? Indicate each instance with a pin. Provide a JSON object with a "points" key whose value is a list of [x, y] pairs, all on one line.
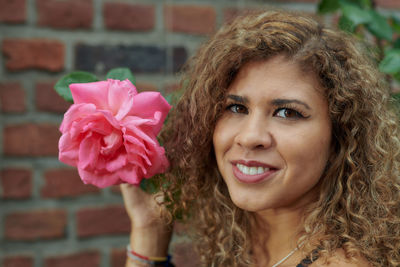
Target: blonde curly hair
{"points": [[358, 208]]}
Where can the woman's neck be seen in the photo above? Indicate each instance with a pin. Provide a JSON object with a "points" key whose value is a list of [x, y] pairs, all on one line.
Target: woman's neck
{"points": [[276, 233]]}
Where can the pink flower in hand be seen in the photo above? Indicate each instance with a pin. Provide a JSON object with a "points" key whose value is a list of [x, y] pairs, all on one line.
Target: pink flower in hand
{"points": [[110, 133]]}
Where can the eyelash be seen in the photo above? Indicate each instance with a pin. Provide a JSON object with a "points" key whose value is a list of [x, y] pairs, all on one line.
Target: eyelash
{"points": [[298, 114], [233, 105]]}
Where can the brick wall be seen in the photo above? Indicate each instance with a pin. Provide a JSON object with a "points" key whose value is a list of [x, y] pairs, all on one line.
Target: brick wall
{"points": [[48, 217]]}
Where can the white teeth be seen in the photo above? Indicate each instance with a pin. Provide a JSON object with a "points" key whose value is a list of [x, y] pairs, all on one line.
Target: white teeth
{"points": [[251, 170], [260, 170]]}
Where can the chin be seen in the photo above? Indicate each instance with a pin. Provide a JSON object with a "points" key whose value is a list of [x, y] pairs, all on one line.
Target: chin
{"points": [[247, 204]]}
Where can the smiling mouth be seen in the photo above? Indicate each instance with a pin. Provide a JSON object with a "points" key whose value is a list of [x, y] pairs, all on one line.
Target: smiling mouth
{"points": [[251, 170], [252, 174]]}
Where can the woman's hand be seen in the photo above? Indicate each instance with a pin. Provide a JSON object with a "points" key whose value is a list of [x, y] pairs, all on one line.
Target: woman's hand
{"points": [[142, 207], [150, 233]]}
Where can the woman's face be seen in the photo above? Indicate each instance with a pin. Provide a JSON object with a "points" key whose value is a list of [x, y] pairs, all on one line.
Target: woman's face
{"points": [[273, 140]]}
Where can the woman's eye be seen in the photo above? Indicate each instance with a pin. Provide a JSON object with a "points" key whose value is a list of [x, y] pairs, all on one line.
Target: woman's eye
{"points": [[236, 108], [288, 113]]}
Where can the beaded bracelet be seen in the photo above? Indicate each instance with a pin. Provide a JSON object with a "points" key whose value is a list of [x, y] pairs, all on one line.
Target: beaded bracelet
{"points": [[148, 261]]}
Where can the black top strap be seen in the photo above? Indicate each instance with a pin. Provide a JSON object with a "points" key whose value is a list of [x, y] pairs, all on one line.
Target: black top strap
{"points": [[307, 261]]}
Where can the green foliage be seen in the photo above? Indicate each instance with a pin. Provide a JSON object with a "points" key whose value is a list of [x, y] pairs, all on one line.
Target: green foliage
{"points": [[379, 26], [328, 6], [361, 18], [397, 97], [391, 62], [62, 85], [121, 74], [151, 185]]}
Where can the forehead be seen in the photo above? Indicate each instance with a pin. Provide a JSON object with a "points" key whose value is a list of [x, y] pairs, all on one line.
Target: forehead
{"points": [[277, 76]]}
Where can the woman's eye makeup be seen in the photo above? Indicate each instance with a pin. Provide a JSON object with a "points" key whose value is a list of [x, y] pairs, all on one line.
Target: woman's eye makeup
{"points": [[289, 113], [237, 108]]}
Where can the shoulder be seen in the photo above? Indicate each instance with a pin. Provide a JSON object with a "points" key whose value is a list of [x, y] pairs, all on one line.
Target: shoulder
{"points": [[339, 259]]}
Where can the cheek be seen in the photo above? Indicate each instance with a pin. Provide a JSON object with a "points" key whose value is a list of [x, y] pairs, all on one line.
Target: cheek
{"points": [[308, 151], [220, 138]]}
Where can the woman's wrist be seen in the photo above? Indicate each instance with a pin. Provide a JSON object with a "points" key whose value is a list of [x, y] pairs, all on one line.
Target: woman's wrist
{"points": [[151, 241]]}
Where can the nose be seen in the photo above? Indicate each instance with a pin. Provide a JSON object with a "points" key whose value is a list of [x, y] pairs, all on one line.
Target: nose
{"points": [[255, 133]]}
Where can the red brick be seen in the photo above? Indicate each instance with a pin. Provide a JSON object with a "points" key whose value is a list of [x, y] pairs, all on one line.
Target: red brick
{"points": [[131, 17], [47, 98], [66, 14], [109, 220], [16, 183], [65, 183], [84, 259], [18, 261], [41, 54], [12, 97], [31, 140], [13, 11], [118, 257], [171, 87], [33, 225], [190, 19], [116, 189], [388, 3], [231, 13], [184, 255]]}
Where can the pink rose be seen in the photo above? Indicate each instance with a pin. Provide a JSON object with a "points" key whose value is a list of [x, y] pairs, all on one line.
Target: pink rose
{"points": [[110, 133]]}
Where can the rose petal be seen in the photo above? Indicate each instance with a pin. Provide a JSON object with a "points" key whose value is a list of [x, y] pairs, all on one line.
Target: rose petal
{"points": [[130, 175], [68, 150], [89, 150], [135, 131], [112, 143], [159, 160], [93, 93], [117, 163], [75, 112], [138, 151], [102, 181], [120, 97], [146, 104]]}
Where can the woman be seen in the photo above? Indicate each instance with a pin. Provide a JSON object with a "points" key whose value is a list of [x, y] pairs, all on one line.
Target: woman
{"points": [[284, 150]]}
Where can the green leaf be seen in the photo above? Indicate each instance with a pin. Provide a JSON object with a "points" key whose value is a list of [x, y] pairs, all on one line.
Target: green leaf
{"points": [[121, 74], [396, 24], [150, 185], [328, 6], [346, 25], [379, 26], [360, 3], [396, 76], [62, 85], [396, 44], [397, 97], [355, 14], [391, 62]]}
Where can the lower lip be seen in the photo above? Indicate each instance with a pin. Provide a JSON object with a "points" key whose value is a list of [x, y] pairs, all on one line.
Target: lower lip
{"points": [[251, 179]]}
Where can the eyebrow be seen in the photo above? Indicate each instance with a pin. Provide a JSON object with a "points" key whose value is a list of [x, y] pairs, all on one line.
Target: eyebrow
{"points": [[239, 99], [275, 102], [280, 102]]}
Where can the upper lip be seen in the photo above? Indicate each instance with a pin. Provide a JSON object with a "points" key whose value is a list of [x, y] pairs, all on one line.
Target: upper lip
{"points": [[253, 163]]}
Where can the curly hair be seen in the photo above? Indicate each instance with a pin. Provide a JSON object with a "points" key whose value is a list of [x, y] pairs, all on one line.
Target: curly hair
{"points": [[358, 207]]}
